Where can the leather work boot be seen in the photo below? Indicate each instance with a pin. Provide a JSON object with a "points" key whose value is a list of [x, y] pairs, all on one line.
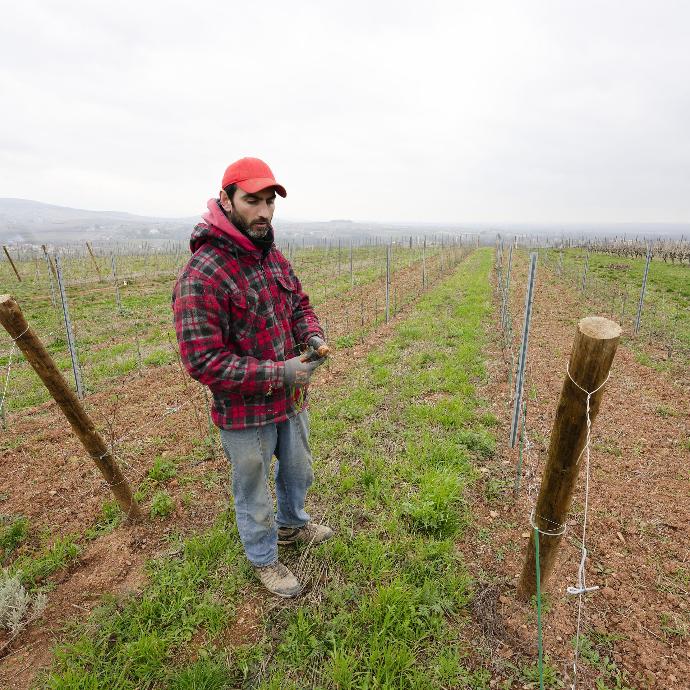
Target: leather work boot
{"points": [[311, 533], [278, 579]]}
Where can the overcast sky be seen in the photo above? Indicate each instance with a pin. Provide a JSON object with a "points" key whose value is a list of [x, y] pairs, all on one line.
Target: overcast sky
{"points": [[490, 111]]}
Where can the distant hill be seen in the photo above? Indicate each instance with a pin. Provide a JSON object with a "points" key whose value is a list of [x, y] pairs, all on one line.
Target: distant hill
{"points": [[26, 221], [23, 221]]}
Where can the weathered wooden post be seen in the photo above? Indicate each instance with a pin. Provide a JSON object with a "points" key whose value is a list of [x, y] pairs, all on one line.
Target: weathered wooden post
{"points": [[14, 268], [596, 341], [95, 263], [28, 342]]}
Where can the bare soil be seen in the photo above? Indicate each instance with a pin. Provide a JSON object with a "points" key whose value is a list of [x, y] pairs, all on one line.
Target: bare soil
{"points": [[638, 533]]}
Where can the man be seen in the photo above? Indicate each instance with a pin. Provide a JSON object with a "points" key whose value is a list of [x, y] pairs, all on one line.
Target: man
{"points": [[241, 318]]}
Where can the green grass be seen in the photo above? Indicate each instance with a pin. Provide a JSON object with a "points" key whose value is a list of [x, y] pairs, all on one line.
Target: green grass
{"points": [[392, 597], [12, 533], [35, 568], [614, 286]]}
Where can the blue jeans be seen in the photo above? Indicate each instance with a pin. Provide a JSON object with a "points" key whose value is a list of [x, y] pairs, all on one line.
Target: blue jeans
{"points": [[250, 452]]}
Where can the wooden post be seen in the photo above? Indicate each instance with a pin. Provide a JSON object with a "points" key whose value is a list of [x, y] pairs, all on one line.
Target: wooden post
{"points": [[595, 345], [95, 263], [29, 343], [14, 268]]}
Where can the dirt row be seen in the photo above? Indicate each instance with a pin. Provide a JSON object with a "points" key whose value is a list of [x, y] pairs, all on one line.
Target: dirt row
{"points": [[639, 518]]}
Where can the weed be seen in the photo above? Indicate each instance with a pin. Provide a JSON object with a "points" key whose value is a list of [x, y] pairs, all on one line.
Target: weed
{"points": [[595, 650], [530, 676], [163, 469], [161, 505], [665, 411], [346, 341], [672, 626]]}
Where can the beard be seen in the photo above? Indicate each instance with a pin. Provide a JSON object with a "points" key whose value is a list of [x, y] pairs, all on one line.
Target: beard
{"points": [[255, 231]]}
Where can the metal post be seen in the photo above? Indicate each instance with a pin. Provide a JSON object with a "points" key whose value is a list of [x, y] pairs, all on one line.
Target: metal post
{"points": [[117, 287], [352, 275], [68, 328], [388, 283], [638, 318], [522, 360]]}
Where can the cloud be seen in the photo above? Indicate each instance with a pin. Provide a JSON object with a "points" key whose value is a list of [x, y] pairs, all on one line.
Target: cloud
{"points": [[442, 111]]}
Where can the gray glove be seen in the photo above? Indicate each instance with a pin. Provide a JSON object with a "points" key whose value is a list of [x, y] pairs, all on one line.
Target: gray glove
{"points": [[316, 342], [298, 372]]}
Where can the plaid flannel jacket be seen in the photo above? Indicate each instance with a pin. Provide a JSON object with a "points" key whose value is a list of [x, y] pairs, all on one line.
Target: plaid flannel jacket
{"points": [[238, 316]]}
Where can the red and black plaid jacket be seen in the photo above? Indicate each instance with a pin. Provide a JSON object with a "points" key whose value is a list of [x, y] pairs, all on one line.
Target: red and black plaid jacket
{"points": [[238, 316]]}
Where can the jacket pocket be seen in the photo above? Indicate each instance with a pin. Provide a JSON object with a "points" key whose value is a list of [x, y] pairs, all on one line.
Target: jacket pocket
{"points": [[243, 314]]}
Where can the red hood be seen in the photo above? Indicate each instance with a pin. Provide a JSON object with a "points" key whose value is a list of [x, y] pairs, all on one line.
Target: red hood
{"points": [[218, 227]]}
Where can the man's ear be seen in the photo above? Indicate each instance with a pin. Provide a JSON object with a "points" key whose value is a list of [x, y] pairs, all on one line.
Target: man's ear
{"points": [[225, 201]]}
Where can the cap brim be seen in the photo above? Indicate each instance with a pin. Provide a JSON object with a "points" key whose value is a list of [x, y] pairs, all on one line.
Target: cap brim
{"points": [[256, 184]]}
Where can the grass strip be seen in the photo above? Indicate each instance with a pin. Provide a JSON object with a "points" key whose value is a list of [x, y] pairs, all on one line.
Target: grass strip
{"points": [[396, 447]]}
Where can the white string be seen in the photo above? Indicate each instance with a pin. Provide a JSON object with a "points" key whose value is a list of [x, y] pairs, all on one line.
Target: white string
{"points": [[581, 587], [557, 531], [7, 378]]}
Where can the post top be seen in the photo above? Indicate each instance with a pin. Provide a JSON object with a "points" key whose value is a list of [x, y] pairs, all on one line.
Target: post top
{"points": [[599, 327]]}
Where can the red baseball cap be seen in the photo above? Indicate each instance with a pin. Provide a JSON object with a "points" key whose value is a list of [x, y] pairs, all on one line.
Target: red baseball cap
{"points": [[251, 175]]}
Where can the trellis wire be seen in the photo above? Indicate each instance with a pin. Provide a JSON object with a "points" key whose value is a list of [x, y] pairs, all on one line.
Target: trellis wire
{"points": [[519, 379], [53, 299], [68, 328], [506, 289], [583, 286], [638, 318]]}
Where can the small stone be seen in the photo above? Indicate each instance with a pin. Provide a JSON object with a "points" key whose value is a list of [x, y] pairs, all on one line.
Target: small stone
{"points": [[494, 514], [525, 535], [52, 492], [620, 536]]}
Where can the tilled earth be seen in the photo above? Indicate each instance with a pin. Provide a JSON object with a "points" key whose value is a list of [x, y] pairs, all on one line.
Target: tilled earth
{"points": [[638, 532]]}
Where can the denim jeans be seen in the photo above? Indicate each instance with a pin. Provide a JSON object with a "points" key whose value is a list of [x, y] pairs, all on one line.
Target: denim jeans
{"points": [[250, 452]]}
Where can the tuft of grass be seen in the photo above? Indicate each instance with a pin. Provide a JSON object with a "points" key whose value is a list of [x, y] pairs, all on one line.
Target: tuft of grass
{"points": [[110, 517], [34, 569], [162, 469], [12, 536], [437, 509]]}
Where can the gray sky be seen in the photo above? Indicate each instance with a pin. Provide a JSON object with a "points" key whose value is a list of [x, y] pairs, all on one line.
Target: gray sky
{"points": [[391, 110]]}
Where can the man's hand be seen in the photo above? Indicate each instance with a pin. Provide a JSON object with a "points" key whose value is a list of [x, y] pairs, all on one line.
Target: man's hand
{"points": [[319, 346], [298, 371]]}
